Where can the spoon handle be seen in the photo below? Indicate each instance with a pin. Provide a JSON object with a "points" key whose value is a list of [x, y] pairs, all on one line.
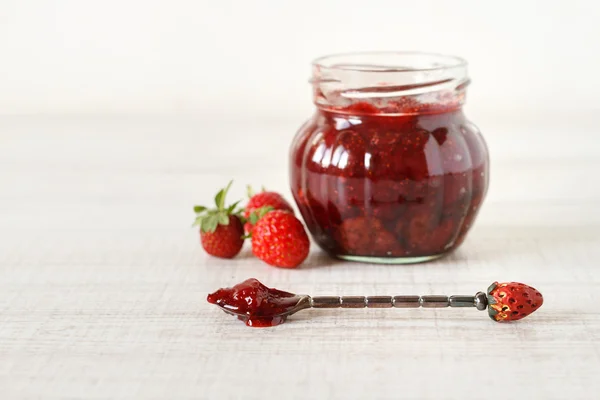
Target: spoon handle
{"points": [[479, 301]]}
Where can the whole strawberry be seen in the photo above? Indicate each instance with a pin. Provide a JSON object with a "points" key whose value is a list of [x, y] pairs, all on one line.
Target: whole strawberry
{"points": [[221, 229], [260, 204], [279, 239], [365, 237], [512, 301]]}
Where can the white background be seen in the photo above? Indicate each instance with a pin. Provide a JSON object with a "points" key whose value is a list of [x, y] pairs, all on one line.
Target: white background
{"points": [[252, 57], [117, 116]]}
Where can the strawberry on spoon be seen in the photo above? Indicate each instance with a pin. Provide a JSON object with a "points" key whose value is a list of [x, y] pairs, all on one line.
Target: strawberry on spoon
{"points": [[512, 301]]}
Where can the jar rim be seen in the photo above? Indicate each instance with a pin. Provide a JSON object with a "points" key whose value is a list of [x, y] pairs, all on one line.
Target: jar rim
{"points": [[389, 61], [389, 80]]}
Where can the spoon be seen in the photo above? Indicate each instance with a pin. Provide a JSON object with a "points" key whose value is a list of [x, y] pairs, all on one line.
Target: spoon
{"points": [[262, 306]]}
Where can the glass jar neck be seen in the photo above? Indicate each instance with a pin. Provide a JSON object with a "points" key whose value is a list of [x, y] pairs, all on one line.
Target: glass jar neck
{"points": [[390, 83]]}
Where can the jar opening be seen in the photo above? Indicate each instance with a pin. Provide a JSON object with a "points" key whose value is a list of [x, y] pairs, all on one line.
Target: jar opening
{"points": [[389, 62], [391, 82]]}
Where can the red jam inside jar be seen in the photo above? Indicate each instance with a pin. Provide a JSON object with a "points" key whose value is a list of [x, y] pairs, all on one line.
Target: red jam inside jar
{"points": [[389, 169]]}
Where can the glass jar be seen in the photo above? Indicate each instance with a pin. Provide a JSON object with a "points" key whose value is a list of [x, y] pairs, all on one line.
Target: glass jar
{"points": [[388, 169]]}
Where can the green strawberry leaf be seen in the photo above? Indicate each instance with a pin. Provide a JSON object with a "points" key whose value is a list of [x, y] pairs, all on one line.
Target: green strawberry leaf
{"points": [[198, 221], [210, 219], [491, 300], [231, 208], [223, 219], [220, 197], [210, 223], [257, 214], [199, 209], [492, 287], [225, 193], [203, 225], [264, 211], [249, 191]]}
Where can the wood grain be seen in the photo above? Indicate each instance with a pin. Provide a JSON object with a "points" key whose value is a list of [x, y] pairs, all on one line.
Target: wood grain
{"points": [[103, 283]]}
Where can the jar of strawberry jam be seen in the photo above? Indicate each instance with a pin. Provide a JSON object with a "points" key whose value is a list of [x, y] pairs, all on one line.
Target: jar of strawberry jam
{"points": [[389, 169]]}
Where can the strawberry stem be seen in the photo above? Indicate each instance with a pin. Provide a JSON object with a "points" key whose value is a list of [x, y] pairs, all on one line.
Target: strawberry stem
{"points": [[220, 197]]}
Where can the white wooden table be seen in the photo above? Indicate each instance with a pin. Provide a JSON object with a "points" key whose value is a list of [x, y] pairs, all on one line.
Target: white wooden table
{"points": [[103, 282]]}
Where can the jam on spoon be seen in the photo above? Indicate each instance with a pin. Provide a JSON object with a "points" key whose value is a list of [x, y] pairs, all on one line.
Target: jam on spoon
{"points": [[260, 306], [255, 304]]}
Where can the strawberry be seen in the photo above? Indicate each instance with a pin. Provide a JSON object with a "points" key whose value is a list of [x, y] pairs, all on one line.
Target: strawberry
{"points": [[512, 301], [364, 236], [260, 204], [221, 229], [417, 229], [355, 235], [253, 218], [279, 239]]}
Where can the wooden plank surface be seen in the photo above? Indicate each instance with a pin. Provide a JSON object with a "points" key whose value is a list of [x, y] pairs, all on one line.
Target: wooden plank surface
{"points": [[103, 282]]}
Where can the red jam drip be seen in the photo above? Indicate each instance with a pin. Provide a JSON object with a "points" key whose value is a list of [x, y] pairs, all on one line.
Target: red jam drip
{"points": [[404, 181], [258, 305]]}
